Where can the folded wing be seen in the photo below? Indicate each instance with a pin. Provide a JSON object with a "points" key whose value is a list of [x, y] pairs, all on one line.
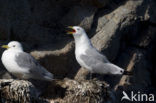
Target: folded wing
{"points": [[35, 70]]}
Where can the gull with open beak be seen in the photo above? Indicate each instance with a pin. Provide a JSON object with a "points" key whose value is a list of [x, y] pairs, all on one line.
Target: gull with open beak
{"points": [[88, 56], [22, 64]]}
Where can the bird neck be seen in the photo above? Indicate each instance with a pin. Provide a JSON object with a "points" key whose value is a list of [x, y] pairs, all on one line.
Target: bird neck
{"points": [[83, 41]]}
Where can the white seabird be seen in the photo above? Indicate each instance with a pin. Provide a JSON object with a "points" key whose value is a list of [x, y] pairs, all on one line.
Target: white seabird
{"points": [[22, 64], [88, 56]]}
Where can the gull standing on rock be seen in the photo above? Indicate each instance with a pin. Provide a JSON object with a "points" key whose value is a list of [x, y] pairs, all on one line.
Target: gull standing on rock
{"points": [[22, 64], [88, 57]]}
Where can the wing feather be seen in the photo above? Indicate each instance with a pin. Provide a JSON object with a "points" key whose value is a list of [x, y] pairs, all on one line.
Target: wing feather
{"points": [[99, 66], [26, 61]]}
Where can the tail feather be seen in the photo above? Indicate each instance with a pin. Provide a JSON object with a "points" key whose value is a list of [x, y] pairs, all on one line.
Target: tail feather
{"points": [[48, 76]]}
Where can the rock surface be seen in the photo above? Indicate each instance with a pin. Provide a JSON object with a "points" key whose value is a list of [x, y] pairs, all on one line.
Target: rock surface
{"points": [[123, 30]]}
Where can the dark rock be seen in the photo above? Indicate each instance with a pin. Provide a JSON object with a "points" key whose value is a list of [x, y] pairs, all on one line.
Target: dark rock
{"points": [[119, 29]]}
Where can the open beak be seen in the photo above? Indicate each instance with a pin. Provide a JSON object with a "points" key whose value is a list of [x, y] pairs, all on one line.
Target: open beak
{"points": [[70, 30], [5, 46]]}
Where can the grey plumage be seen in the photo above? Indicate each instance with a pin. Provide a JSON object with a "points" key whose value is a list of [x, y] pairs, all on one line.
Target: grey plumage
{"points": [[93, 53], [22, 64], [88, 57], [99, 66], [35, 70]]}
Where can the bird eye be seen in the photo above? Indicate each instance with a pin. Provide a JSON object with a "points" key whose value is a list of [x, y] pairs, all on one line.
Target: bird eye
{"points": [[78, 29], [14, 45], [121, 71]]}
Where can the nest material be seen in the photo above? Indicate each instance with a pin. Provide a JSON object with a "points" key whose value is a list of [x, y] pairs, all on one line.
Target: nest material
{"points": [[86, 91], [18, 91]]}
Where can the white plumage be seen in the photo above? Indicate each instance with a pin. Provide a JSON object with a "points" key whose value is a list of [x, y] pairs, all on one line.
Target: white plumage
{"points": [[22, 64], [88, 57]]}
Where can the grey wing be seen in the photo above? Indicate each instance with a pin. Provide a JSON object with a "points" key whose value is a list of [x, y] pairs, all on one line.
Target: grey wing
{"points": [[96, 54], [26, 61], [97, 65]]}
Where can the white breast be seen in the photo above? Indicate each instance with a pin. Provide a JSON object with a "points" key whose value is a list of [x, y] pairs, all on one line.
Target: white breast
{"points": [[8, 60], [81, 45], [78, 52]]}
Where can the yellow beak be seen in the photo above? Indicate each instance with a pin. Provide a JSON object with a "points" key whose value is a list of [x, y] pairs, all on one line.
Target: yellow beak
{"points": [[71, 31], [5, 46]]}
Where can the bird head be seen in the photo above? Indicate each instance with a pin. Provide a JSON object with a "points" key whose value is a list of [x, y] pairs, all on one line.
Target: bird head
{"points": [[75, 30], [13, 45]]}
